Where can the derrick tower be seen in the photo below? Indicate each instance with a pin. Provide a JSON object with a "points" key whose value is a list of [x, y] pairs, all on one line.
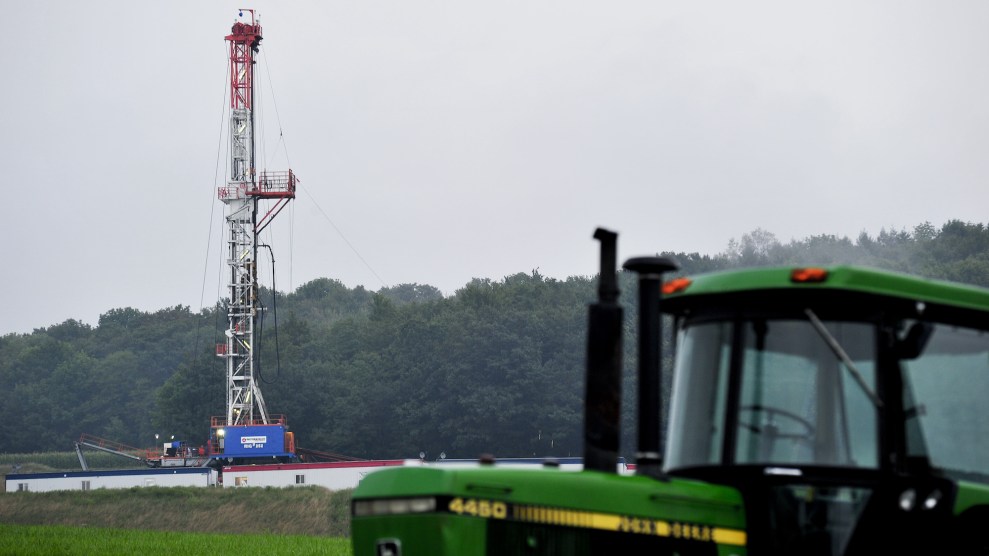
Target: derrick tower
{"points": [[242, 195]]}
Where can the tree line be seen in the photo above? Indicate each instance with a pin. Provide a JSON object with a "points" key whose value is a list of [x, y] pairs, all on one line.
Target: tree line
{"points": [[496, 367]]}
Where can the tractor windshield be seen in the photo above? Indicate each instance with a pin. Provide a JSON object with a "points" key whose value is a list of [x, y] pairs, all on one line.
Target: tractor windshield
{"points": [[945, 387], [774, 391]]}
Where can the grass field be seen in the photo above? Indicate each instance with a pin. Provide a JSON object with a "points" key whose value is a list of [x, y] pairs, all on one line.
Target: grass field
{"points": [[55, 539], [301, 520], [313, 511]]}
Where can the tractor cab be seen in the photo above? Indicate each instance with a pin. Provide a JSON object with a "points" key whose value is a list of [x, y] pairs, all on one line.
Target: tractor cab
{"points": [[814, 411], [847, 406]]}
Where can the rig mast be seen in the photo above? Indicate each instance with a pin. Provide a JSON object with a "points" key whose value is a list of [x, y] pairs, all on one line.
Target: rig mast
{"points": [[242, 195]]}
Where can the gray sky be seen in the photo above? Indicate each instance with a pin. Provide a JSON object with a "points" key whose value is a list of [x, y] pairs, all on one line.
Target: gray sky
{"points": [[451, 140]]}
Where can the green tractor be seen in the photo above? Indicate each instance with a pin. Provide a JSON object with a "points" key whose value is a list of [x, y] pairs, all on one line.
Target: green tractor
{"points": [[817, 411]]}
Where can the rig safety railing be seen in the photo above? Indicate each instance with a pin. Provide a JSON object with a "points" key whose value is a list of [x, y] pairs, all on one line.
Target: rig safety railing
{"points": [[273, 419], [235, 190], [275, 185]]}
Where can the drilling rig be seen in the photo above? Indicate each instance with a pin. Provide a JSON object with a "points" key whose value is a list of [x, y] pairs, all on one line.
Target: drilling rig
{"points": [[247, 433]]}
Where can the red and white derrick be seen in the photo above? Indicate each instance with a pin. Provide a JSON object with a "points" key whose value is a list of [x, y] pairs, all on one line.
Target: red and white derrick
{"points": [[242, 194]]}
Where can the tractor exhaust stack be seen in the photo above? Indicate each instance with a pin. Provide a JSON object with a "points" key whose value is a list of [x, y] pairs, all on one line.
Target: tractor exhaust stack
{"points": [[602, 409], [649, 458]]}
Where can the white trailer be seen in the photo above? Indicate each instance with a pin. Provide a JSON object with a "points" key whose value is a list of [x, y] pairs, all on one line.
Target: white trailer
{"points": [[341, 475], [334, 476], [124, 478]]}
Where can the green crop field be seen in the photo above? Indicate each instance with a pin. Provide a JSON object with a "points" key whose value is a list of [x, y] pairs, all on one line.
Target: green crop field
{"points": [[55, 539], [311, 511]]}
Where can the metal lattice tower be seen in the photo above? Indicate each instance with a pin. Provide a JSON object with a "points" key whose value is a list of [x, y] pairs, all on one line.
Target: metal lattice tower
{"points": [[242, 195]]}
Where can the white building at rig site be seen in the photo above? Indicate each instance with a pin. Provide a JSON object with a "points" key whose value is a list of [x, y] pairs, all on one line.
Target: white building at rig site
{"points": [[333, 476], [123, 478]]}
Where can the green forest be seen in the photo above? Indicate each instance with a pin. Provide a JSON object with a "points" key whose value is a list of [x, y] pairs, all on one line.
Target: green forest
{"points": [[496, 367]]}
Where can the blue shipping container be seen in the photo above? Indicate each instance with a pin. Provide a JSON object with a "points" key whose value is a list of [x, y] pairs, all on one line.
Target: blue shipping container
{"points": [[254, 440]]}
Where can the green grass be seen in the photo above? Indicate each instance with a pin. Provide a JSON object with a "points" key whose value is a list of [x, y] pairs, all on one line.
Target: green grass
{"points": [[312, 511], [55, 539], [157, 520]]}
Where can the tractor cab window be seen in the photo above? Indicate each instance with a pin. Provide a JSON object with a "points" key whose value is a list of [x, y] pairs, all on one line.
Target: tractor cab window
{"points": [[797, 399], [945, 382]]}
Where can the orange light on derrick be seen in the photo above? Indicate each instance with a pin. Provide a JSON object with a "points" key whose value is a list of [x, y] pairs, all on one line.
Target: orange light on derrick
{"points": [[812, 275], [676, 285]]}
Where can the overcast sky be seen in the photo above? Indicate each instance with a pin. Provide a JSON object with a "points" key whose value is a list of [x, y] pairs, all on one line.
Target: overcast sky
{"points": [[441, 141]]}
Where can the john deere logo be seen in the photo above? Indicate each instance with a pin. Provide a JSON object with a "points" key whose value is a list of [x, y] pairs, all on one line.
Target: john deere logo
{"points": [[389, 547]]}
